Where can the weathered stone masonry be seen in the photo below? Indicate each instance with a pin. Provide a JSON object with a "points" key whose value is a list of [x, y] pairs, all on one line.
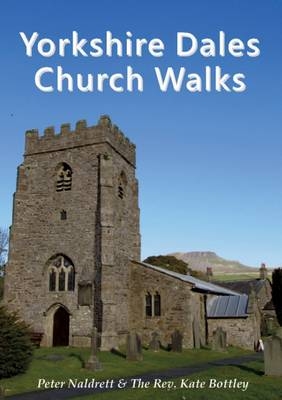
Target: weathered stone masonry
{"points": [[99, 234], [181, 308]]}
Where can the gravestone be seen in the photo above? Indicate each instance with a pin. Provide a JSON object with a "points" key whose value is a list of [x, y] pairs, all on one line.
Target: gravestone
{"points": [[176, 341], [273, 354], [196, 333], [155, 342], [93, 363], [219, 342], [133, 347]]}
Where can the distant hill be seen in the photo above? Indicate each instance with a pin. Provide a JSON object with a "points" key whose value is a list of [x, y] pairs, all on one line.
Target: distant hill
{"points": [[200, 260]]}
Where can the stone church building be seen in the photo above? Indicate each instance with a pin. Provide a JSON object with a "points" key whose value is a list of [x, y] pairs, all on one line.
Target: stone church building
{"points": [[74, 257]]}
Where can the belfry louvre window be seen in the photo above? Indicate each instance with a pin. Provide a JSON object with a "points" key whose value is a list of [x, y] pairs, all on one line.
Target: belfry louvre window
{"points": [[120, 192], [122, 183], [61, 274], [64, 177], [153, 305]]}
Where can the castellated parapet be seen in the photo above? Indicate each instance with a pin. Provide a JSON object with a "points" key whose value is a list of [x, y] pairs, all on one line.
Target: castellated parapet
{"points": [[103, 132]]}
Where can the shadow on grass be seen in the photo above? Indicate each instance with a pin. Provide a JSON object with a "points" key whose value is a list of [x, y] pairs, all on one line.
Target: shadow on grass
{"points": [[51, 357], [245, 368], [165, 348], [118, 353], [79, 358]]}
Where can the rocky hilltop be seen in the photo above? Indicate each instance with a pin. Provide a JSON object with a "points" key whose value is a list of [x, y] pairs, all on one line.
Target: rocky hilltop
{"points": [[200, 260]]}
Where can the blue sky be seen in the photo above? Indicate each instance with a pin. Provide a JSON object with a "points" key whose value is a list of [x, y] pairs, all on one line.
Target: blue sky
{"points": [[209, 164]]}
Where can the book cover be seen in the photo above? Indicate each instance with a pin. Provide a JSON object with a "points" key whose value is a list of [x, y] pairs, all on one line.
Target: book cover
{"points": [[140, 156]]}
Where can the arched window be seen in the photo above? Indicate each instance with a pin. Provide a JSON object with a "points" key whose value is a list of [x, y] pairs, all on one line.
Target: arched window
{"points": [[61, 274], [157, 304], [122, 183], [148, 300], [63, 177]]}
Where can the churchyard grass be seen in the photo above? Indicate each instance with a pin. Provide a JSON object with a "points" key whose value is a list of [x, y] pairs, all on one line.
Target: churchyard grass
{"points": [[260, 387], [62, 363]]}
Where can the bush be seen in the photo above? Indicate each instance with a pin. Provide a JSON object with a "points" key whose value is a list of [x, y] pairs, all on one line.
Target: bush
{"points": [[15, 344]]}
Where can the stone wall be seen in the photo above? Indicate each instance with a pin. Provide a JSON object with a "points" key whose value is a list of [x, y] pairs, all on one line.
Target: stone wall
{"points": [[241, 332], [179, 306]]}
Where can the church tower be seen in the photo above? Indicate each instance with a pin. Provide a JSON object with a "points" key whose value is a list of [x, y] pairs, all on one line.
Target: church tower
{"points": [[75, 227]]}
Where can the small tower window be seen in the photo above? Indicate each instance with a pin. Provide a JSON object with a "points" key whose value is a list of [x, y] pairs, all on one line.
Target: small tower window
{"points": [[61, 274], [63, 177], [63, 214]]}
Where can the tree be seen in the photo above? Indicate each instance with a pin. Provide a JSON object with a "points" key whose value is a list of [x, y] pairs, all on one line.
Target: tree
{"points": [[4, 240], [15, 344], [277, 293], [168, 262], [174, 264]]}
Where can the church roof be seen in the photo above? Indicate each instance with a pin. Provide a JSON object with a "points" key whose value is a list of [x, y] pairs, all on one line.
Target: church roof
{"points": [[198, 284], [227, 306], [246, 286]]}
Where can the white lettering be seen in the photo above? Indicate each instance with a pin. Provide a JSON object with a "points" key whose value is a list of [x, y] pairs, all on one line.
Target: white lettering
{"points": [[237, 78], [170, 77], [38, 76], [46, 43], [255, 49], [180, 44], [29, 43]]}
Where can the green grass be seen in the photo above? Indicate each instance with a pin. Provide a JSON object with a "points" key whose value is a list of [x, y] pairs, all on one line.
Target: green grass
{"points": [[235, 277], [260, 387], [71, 366]]}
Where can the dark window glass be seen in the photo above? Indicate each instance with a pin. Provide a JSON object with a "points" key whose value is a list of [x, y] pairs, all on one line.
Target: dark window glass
{"points": [[63, 215], [71, 279], [52, 280], [61, 274], [157, 305], [62, 278], [148, 305]]}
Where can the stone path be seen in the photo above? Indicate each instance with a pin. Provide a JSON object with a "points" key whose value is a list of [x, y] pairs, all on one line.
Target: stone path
{"points": [[60, 394]]}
